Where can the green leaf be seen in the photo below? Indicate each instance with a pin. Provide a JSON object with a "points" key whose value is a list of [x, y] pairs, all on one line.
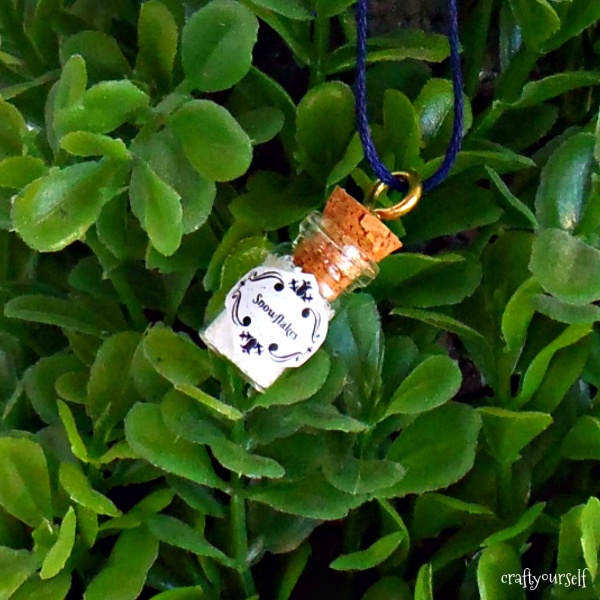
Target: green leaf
{"points": [[517, 316], [478, 346], [182, 593], [447, 283], [158, 208], [217, 406], [214, 142], [118, 231], [435, 512], [355, 336], [402, 129], [424, 584], [24, 481], [566, 266], [499, 158], [103, 108], [258, 90], [512, 200], [583, 440], [177, 533], [327, 417], [328, 107], [262, 124], [56, 210], [272, 201], [12, 131], [398, 269], [15, 567], [564, 186], [164, 153], [185, 418], [436, 449], [157, 42], [58, 555], [524, 523], [85, 143], [292, 9], [364, 476], [101, 53], [405, 44], [565, 312], [80, 490], [197, 497], [175, 357], [150, 505], [371, 557], [297, 384], [236, 459], [590, 534], [590, 221], [56, 588], [495, 564], [565, 368], [247, 254], [434, 381], [293, 571], [77, 444], [70, 88], [537, 19], [388, 588], [298, 41], [40, 381], [236, 233], [539, 365], [149, 438], [570, 555], [312, 497], [110, 388], [507, 129], [508, 432], [216, 45], [536, 92], [124, 575], [576, 16], [351, 159], [56, 311], [434, 106], [476, 208], [18, 171]]}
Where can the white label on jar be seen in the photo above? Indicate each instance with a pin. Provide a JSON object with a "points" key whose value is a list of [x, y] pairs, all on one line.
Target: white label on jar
{"points": [[273, 319]]}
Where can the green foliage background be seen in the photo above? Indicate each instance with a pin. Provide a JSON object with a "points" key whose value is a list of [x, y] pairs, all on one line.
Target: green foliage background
{"points": [[449, 430]]}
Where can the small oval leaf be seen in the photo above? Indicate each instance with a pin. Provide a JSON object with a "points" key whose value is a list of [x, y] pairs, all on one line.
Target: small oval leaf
{"points": [[214, 142], [216, 45]]}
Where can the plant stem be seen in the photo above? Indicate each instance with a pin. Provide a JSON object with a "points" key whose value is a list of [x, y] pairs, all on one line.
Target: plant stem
{"points": [[239, 525], [505, 488], [322, 34]]}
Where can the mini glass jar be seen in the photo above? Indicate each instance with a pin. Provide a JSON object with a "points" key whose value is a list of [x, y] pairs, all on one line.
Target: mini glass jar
{"points": [[277, 315]]}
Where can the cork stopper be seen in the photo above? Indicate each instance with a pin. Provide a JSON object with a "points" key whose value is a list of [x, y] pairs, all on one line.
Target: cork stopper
{"points": [[343, 246]]}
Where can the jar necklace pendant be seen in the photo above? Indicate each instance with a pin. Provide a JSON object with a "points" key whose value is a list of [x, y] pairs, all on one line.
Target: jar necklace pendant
{"points": [[277, 316]]}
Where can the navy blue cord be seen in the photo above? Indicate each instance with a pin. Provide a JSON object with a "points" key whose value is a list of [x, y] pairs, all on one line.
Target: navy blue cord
{"points": [[380, 170]]}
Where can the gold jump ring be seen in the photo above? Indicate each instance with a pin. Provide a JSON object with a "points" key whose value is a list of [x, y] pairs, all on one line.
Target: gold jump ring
{"points": [[410, 200]]}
